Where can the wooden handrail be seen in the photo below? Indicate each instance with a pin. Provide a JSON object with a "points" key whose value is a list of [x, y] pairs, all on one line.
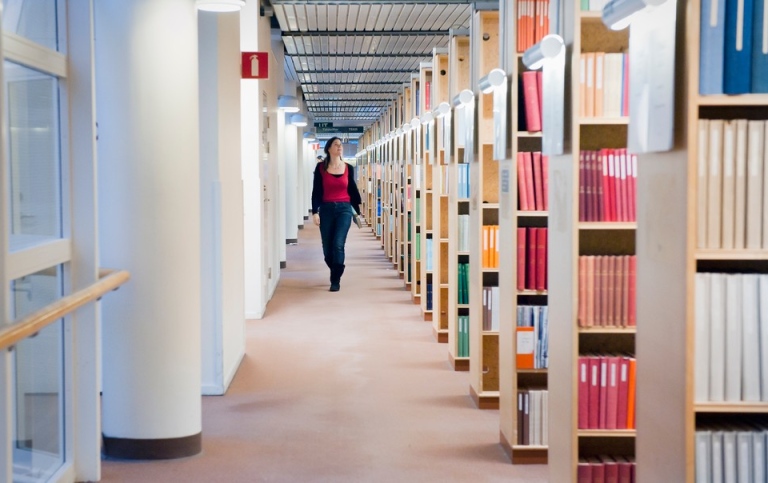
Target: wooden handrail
{"points": [[39, 319]]}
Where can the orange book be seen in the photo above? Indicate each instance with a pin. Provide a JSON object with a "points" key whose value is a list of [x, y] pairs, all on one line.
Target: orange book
{"points": [[589, 96], [486, 246], [631, 390], [599, 78], [526, 341]]}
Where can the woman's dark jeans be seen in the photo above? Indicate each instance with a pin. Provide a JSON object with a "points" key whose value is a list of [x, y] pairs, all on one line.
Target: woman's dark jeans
{"points": [[335, 220]]}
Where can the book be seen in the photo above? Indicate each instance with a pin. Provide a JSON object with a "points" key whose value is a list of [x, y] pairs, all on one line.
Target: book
{"points": [[701, 336], [531, 102], [759, 82], [740, 190], [754, 202], [738, 46], [750, 341], [701, 183], [729, 184], [714, 188], [733, 337], [526, 338], [717, 337], [712, 47], [703, 456]]}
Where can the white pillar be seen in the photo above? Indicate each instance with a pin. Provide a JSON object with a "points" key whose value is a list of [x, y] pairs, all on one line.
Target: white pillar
{"points": [[149, 219], [221, 195], [290, 160]]}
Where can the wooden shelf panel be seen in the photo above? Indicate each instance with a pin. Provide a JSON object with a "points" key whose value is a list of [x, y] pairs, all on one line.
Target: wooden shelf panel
{"points": [[607, 225], [532, 214], [531, 292], [602, 120], [607, 433], [732, 255], [608, 330], [731, 407], [740, 100], [532, 371], [526, 134]]}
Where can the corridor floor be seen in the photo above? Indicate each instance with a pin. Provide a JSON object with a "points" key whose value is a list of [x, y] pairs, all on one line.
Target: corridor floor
{"points": [[341, 387]]}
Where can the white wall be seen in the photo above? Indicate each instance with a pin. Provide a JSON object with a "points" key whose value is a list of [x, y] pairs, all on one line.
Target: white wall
{"points": [[221, 195]]}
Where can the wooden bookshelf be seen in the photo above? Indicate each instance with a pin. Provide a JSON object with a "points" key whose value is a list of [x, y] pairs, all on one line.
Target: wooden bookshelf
{"points": [[483, 212], [569, 239], [459, 79], [515, 381], [413, 152], [440, 187], [428, 197], [405, 146]]}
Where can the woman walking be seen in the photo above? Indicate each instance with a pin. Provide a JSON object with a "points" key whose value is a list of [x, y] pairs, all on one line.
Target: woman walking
{"points": [[334, 197]]}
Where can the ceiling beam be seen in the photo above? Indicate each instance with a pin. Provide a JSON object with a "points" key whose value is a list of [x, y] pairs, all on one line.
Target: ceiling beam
{"points": [[311, 101], [365, 33], [373, 56], [399, 83], [370, 71], [368, 2]]}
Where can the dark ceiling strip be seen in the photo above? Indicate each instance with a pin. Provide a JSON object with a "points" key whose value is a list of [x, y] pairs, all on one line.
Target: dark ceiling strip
{"points": [[374, 71], [399, 83], [311, 101], [373, 56], [366, 33], [368, 2]]}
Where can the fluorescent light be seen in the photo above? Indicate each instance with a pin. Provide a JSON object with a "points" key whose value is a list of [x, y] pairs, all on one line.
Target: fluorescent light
{"points": [[492, 80], [463, 98], [288, 103], [299, 120], [220, 5], [548, 48], [442, 109], [617, 14]]}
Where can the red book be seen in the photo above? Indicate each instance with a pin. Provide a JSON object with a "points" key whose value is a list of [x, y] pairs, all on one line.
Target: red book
{"points": [[541, 258], [530, 191], [594, 392], [540, 90], [610, 290], [582, 186], [588, 187], [582, 310], [598, 470], [599, 276], [631, 390], [599, 202], [623, 393], [530, 276], [590, 291], [522, 193], [632, 289], [625, 470], [583, 392], [622, 176], [632, 177], [605, 182], [584, 472], [611, 469], [531, 102], [521, 258], [618, 309], [612, 398], [603, 414], [545, 179], [538, 182]]}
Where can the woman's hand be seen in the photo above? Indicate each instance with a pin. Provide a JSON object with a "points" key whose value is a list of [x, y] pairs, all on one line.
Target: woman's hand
{"points": [[316, 218]]}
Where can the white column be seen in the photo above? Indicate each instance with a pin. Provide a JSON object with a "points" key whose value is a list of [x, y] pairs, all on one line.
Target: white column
{"points": [[290, 160], [149, 219], [221, 196]]}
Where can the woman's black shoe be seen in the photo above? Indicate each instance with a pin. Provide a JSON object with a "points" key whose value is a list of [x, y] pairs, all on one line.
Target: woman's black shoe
{"points": [[335, 287]]}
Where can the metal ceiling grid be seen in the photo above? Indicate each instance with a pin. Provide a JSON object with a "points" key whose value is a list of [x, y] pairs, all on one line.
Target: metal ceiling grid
{"points": [[355, 55]]}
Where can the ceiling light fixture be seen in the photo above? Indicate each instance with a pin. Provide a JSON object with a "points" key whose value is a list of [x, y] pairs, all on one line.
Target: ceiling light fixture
{"points": [[288, 103], [299, 120], [220, 5]]}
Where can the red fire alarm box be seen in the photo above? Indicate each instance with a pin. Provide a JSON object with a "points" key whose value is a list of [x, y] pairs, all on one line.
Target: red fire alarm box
{"points": [[254, 65]]}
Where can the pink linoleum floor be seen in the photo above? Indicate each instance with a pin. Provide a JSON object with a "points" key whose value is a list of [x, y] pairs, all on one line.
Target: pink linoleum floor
{"points": [[341, 387]]}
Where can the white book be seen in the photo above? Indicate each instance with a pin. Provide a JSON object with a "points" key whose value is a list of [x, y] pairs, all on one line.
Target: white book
{"points": [[701, 343], [729, 184], [754, 204], [495, 308], [740, 192], [744, 455], [730, 466], [718, 460], [714, 186], [750, 383], [758, 456], [703, 459], [764, 214], [535, 418], [544, 417], [717, 338], [763, 327], [733, 330], [701, 185]]}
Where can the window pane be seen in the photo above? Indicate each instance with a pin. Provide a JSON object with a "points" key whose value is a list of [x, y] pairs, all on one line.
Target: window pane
{"points": [[32, 19], [34, 155], [39, 371]]}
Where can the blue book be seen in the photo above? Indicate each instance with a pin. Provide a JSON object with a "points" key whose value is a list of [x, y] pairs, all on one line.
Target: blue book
{"points": [[738, 47], [711, 59], [760, 49]]}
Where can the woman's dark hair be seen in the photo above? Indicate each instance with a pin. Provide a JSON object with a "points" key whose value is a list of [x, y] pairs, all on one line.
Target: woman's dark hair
{"points": [[328, 145]]}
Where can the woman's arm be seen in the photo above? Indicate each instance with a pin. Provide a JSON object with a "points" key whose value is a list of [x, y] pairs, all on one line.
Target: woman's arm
{"points": [[354, 194], [317, 189]]}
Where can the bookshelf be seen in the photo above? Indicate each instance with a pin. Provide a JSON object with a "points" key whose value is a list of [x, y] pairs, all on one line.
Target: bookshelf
{"points": [[405, 148], [523, 443], [440, 188], [428, 198], [413, 147], [458, 206], [584, 348], [483, 213]]}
